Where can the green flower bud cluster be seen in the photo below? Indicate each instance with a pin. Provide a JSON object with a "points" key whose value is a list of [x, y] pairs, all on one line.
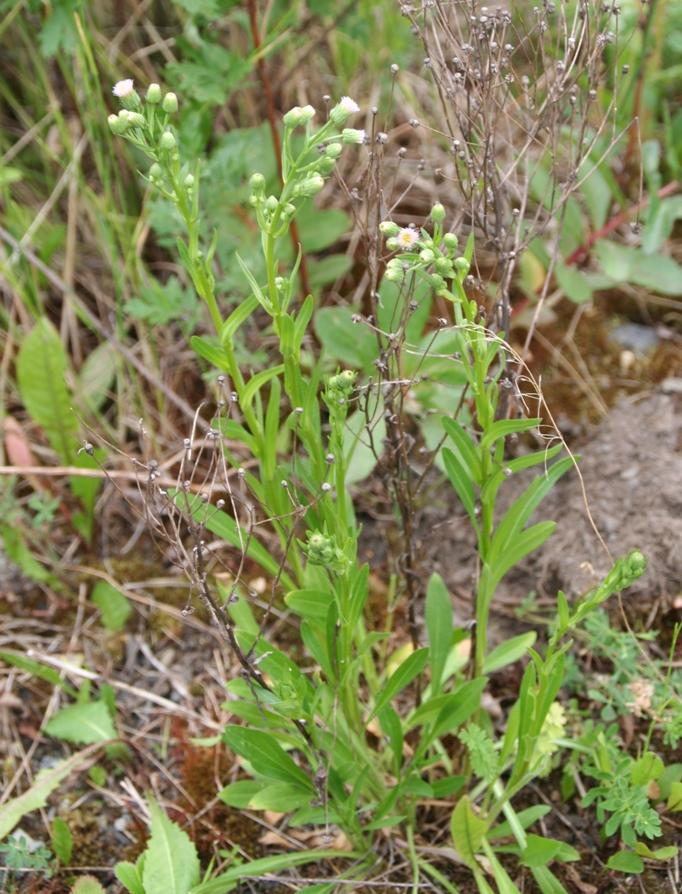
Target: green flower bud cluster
{"points": [[322, 549], [433, 255], [340, 386]]}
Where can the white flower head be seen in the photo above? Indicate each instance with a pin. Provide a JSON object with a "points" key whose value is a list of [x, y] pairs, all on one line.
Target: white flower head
{"points": [[343, 109], [407, 238], [349, 105], [124, 89]]}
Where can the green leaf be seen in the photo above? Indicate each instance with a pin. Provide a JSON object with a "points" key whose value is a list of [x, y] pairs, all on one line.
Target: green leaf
{"points": [[625, 264], [467, 830], [267, 866], [626, 861], [524, 818], [41, 366], [256, 382], [522, 508], [646, 769], [209, 351], [62, 840], [282, 797], [84, 723], [360, 458], [328, 269], [661, 854], [350, 343], [309, 603], [674, 803], [467, 449], [238, 316], [547, 882], [459, 478], [459, 708], [505, 427], [171, 864], [509, 652], [519, 547], [113, 605], [439, 628], [88, 884], [49, 674], [255, 288], [239, 794], [44, 784], [320, 229], [129, 876], [97, 375], [574, 283], [540, 851], [410, 668], [265, 754]]}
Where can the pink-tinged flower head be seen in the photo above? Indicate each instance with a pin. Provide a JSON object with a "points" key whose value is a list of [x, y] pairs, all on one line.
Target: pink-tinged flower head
{"points": [[123, 89], [349, 105], [407, 238]]}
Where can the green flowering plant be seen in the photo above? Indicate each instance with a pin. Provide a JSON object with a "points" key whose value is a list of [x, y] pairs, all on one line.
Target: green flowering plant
{"points": [[309, 727]]}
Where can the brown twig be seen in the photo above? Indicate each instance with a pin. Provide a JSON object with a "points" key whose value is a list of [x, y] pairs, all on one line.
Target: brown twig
{"points": [[274, 133]]}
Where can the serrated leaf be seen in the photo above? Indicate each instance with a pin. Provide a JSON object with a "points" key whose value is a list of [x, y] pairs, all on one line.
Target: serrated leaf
{"points": [[113, 605], [171, 864], [467, 830], [41, 366], [82, 724], [36, 796]]}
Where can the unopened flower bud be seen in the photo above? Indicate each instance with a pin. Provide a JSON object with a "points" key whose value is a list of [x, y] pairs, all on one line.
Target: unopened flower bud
{"points": [[189, 181], [326, 166], [154, 94], [450, 241], [392, 243], [257, 183], [462, 266], [271, 203], [389, 228], [135, 119], [293, 117], [427, 256], [170, 103], [307, 113], [351, 136], [333, 150], [436, 280], [155, 171], [343, 110], [115, 124], [167, 141], [310, 186], [438, 213]]}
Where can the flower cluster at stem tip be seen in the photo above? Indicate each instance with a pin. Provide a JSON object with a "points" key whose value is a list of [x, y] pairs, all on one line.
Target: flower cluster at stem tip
{"points": [[147, 124], [434, 254]]}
